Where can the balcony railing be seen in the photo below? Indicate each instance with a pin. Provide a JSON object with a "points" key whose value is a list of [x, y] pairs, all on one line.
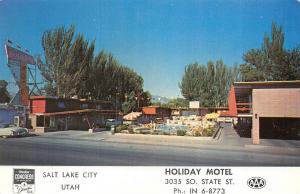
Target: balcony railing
{"points": [[244, 107]]}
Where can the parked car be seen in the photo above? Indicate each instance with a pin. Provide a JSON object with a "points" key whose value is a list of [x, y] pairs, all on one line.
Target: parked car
{"points": [[110, 122], [228, 120], [7, 130]]}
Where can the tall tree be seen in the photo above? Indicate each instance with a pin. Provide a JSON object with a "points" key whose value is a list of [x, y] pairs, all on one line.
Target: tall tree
{"points": [[67, 61], [130, 103], [56, 45], [208, 84], [112, 81], [272, 61], [71, 69], [4, 95]]}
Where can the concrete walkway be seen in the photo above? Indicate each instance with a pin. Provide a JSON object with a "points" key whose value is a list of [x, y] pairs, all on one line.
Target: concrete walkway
{"points": [[230, 137]]}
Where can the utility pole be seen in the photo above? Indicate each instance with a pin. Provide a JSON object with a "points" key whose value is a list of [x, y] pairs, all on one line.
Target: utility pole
{"points": [[138, 101], [116, 106]]}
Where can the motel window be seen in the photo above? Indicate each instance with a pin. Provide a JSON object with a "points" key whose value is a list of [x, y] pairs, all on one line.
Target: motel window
{"points": [[61, 105], [84, 106], [47, 121], [20, 109], [52, 121], [40, 121], [29, 123]]}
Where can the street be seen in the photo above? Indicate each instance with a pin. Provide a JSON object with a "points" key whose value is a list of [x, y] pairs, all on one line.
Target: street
{"points": [[49, 150]]}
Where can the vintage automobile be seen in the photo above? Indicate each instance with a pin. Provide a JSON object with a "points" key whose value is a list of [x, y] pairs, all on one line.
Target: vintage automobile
{"points": [[110, 122], [7, 130]]}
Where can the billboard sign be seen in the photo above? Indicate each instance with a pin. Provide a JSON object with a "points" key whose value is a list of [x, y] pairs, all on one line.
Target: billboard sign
{"points": [[17, 61], [14, 54], [194, 104]]}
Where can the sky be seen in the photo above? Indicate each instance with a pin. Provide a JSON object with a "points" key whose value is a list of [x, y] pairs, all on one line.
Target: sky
{"points": [[156, 38]]}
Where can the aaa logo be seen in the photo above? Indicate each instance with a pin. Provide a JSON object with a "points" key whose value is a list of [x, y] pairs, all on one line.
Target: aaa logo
{"points": [[256, 182]]}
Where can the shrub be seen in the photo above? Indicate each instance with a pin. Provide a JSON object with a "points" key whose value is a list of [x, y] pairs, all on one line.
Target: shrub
{"points": [[166, 133], [130, 129], [120, 128], [181, 132], [197, 133], [208, 132]]}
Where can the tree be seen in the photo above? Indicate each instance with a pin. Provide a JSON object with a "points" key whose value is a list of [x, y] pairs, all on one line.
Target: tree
{"points": [[176, 103], [4, 95], [50, 89], [71, 69], [144, 99], [67, 62], [134, 102], [130, 103], [111, 81], [208, 84], [56, 45], [272, 61]]}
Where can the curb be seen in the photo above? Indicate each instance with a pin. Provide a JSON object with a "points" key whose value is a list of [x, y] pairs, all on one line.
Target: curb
{"points": [[164, 137], [217, 133]]}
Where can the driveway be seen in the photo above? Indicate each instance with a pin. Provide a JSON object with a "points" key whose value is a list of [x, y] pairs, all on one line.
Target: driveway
{"points": [[229, 137]]}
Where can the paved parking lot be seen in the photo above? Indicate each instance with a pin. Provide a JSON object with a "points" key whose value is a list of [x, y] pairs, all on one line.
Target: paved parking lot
{"points": [[227, 140]]}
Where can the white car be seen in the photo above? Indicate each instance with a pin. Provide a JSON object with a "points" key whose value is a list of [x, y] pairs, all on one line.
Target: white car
{"points": [[7, 130]]}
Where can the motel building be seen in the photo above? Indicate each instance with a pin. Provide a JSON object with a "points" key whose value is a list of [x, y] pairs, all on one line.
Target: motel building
{"points": [[154, 113], [266, 110], [58, 114]]}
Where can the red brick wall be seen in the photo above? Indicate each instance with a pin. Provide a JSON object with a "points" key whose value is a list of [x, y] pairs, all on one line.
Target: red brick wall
{"points": [[38, 106], [149, 110], [232, 109], [42, 104]]}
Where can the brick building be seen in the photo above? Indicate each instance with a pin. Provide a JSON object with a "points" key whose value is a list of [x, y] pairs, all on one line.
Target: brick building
{"points": [[269, 109], [54, 114], [151, 113]]}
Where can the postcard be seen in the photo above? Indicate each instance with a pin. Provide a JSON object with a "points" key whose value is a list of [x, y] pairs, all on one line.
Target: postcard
{"points": [[149, 96]]}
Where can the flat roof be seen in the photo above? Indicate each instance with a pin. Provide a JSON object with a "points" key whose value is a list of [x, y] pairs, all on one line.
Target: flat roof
{"points": [[151, 106], [43, 97], [269, 83], [73, 112], [71, 99]]}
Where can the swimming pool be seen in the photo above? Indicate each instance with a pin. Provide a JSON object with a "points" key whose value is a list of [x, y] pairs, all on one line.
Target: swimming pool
{"points": [[171, 128]]}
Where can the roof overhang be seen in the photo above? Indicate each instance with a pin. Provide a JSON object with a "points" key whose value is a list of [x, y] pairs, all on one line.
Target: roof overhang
{"points": [[63, 113]]}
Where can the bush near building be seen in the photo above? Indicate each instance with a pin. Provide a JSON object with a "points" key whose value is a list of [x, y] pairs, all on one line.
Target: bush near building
{"points": [[181, 132], [121, 128], [204, 132]]}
